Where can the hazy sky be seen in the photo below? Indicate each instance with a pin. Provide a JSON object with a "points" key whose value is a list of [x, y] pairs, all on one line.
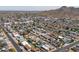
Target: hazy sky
{"points": [[28, 8]]}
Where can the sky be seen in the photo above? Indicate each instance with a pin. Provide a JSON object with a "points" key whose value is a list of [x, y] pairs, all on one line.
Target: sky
{"points": [[28, 8]]}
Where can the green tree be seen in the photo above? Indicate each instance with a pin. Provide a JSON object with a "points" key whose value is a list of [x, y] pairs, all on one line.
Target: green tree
{"points": [[12, 50]]}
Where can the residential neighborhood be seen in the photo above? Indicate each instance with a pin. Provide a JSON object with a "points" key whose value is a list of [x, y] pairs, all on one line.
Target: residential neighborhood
{"points": [[28, 32]]}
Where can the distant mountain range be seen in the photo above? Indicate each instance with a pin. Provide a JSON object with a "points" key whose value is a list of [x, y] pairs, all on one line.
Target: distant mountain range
{"points": [[17, 11], [63, 12]]}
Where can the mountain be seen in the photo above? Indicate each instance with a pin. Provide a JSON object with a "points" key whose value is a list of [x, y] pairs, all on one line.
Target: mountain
{"points": [[63, 12]]}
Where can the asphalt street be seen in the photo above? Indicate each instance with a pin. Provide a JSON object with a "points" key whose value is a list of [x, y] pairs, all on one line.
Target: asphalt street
{"points": [[12, 40], [66, 48]]}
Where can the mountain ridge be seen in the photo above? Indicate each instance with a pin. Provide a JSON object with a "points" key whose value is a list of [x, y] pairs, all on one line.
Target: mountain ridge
{"points": [[63, 12]]}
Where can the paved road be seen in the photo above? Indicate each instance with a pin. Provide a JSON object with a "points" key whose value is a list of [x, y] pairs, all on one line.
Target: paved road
{"points": [[66, 48], [12, 40]]}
